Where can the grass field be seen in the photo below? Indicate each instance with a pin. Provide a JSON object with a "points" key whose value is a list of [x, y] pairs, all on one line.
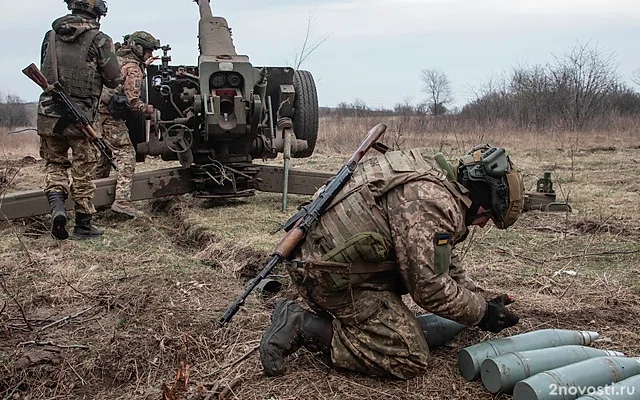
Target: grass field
{"points": [[125, 315]]}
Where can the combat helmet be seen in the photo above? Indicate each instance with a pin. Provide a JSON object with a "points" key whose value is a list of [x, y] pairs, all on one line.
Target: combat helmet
{"points": [[493, 182], [140, 41], [97, 8]]}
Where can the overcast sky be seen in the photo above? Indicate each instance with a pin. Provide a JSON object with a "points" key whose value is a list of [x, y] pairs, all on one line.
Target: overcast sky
{"points": [[375, 49]]}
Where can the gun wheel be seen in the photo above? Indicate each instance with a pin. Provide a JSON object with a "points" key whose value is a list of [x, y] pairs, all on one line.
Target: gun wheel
{"points": [[305, 114]]}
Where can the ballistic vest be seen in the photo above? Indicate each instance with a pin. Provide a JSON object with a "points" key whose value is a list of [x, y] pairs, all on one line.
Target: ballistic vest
{"points": [[76, 74]]}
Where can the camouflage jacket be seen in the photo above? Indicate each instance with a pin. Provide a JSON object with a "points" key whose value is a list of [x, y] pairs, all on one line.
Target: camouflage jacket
{"points": [[101, 60], [131, 68], [405, 199]]}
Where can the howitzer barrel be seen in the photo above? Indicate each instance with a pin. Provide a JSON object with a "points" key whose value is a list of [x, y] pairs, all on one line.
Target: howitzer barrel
{"points": [[628, 389], [571, 381], [500, 374], [205, 9], [470, 358], [214, 33]]}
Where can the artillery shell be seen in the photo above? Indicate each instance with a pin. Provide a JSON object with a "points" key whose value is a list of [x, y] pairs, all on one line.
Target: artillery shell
{"points": [[500, 374], [628, 389], [572, 381], [470, 358], [438, 330]]}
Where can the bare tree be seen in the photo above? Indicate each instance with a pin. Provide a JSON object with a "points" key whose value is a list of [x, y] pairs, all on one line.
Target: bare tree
{"points": [[437, 86], [635, 76], [491, 100], [586, 76], [309, 45]]}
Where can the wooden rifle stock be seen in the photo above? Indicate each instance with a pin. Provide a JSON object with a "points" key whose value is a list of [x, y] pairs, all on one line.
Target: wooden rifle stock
{"points": [[34, 73], [312, 213]]}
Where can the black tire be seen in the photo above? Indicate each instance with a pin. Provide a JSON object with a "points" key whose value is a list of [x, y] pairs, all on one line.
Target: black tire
{"points": [[305, 114], [137, 132]]}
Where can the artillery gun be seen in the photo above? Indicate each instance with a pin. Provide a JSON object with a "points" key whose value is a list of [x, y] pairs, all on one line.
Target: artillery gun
{"points": [[217, 116]]}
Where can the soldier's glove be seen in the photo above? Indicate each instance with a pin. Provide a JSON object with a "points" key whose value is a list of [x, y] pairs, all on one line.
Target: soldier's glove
{"points": [[496, 316]]}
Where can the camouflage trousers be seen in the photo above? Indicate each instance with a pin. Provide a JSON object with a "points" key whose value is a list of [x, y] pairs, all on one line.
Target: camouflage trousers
{"points": [[54, 149], [374, 332], [116, 136]]}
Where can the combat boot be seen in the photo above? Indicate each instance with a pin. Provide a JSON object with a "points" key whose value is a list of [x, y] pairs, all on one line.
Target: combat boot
{"points": [[291, 328], [58, 215], [83, 229], [125, 207]]}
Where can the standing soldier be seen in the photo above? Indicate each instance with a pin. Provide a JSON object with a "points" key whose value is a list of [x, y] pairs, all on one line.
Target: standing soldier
{"points": [[81, 58], [134, 55], [391, 231]]}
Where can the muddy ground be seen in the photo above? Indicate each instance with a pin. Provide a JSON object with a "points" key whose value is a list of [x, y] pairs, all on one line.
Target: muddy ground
{"points": [[132, 315]]}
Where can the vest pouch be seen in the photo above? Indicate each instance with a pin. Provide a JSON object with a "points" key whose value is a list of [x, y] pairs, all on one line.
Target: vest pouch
{"points": [[370, 247], [338, 276], [338, 282], [118, 106]]}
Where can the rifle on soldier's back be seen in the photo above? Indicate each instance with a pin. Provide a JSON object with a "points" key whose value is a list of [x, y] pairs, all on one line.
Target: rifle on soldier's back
{"points": [[298, 225], [61, 97]]}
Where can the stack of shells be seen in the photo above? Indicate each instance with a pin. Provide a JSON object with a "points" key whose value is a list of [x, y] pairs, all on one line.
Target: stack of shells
{"points": [[551, 364]]}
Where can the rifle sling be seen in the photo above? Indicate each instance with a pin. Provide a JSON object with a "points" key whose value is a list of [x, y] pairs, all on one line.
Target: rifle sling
{"points": [[53, 53]]}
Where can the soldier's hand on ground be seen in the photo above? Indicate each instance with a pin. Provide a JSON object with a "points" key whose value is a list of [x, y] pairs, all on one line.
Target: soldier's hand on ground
{"points": [[497, 316]]}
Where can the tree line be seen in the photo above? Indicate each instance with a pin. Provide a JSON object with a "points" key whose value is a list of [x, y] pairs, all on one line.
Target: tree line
{"points": [[14, 111], [579, 90]]}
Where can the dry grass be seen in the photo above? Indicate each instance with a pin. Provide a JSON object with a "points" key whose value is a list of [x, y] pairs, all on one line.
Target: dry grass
{"points": [[18, 145], [150, 290], [454, 138]]}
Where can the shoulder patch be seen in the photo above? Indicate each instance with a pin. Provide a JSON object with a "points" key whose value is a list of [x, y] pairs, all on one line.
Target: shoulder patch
{"points": [[441, 239], [442, 252]]}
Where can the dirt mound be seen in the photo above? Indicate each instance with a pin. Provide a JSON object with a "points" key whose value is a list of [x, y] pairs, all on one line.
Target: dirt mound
{"points": [[613, 227], [242, 261]]}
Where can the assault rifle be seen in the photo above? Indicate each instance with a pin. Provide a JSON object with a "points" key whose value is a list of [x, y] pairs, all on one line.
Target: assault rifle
{"points": [[61, 97], [297, 226]]}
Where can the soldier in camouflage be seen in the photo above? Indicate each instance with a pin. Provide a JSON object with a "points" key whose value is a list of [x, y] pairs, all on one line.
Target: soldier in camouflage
{"points": [[79, 56], [135, 54], [391, 231]]}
